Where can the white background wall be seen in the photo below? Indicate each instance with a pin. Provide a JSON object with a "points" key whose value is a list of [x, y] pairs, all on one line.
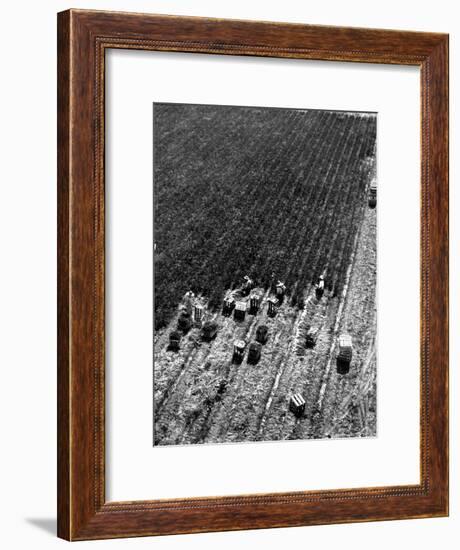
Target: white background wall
{"points": [[28, 267]]}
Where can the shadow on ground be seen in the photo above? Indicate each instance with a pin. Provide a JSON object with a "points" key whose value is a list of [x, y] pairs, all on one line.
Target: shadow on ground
{"points": [[49, 525]]}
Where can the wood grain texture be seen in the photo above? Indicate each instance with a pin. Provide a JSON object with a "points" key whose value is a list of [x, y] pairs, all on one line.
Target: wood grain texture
{"points": [[63, 221], [83, 37]]}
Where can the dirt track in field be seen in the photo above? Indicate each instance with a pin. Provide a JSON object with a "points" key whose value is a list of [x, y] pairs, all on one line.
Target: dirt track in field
{"points": [[201, 396]]}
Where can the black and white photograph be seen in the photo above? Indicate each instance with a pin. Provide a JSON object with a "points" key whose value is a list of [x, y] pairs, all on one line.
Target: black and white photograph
{"points": [[265, 271]]}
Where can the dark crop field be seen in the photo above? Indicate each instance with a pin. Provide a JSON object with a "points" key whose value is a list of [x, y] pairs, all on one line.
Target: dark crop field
{"points": [[274, 194], [258, 192]]}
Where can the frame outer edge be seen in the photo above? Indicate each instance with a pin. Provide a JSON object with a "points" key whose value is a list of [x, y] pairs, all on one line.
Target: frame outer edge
{"points": [[63, 296], [438, 299]]}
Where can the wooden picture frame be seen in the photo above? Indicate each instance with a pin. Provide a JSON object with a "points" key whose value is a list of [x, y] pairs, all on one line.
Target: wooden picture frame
{"points": [[83, 39]]}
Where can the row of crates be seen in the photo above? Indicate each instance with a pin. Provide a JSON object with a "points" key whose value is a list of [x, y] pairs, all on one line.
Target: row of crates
{"points": [[241, 308]]}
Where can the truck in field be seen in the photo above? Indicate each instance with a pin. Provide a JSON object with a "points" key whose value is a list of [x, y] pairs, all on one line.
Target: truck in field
{"points": [[345, 354]]}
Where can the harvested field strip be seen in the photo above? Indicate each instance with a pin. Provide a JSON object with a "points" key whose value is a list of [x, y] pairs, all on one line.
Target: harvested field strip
{"points": [[284, 369], [359, 318], [337, 326], [255, 389], [294, 379]]}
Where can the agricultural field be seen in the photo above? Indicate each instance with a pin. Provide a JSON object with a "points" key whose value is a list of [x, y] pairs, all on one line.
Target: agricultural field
{"points": [[246, 199]]}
